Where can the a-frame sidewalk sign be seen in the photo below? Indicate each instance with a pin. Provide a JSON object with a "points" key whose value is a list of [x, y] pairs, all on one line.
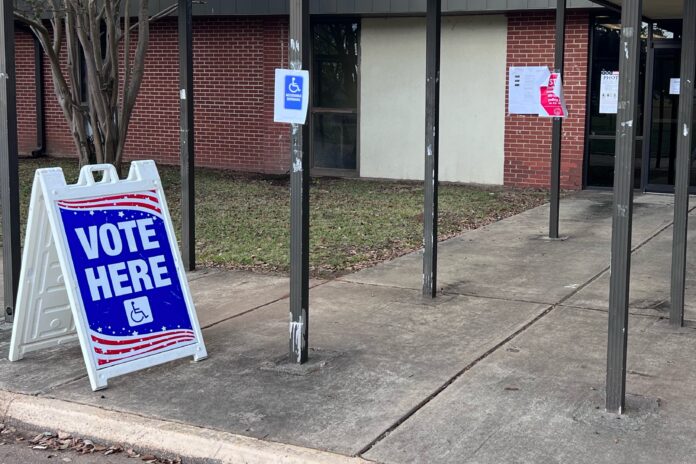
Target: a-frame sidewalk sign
{"points": [[101, 262]]}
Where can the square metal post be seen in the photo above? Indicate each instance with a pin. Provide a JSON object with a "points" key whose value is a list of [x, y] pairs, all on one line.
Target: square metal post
{"points": [[299, 56], [626, 125], [683, 163], [9, 163], [39, 88], [186, 138], [557, 131], [432, 146]]}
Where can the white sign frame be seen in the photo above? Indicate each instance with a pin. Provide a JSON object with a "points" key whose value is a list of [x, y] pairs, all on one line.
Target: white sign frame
{"points": [[47, 256], [280, 112]]}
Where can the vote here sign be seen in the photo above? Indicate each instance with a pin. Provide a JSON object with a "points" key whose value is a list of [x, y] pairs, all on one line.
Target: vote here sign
{"points": [[111, 255], [127, 277]]}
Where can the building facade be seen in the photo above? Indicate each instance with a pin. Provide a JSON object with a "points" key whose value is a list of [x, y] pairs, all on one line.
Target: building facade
{"points": [[368, 93]]}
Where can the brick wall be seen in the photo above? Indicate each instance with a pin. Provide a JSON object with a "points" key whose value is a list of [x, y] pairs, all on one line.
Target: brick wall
{"points": [[26, 91], [528, 137], [234, 60], [234, 63]]}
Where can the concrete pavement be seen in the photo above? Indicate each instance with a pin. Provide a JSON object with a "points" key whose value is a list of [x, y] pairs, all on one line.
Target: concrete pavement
{"points": [[507, 365]]}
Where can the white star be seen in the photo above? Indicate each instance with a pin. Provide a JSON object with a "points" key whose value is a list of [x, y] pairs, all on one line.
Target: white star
{"points": [[121, 214], [91, 213], [164, 328], [99, 329], [135, 332]]}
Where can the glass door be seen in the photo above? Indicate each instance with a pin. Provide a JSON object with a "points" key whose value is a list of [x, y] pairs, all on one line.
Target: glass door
{"points": [[600, 146], [661, 156], [334, 104], [663, 123]]}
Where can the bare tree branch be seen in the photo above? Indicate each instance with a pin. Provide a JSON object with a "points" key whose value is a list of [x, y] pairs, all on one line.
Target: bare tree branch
{"points": [[85, 41]]}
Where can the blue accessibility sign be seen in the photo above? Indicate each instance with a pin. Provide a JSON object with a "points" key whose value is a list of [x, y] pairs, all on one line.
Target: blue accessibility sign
{"points": [[293, 92], [291, 96]]}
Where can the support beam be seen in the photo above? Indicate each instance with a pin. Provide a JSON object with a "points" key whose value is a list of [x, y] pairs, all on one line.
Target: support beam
{"points": [[299, 56], [432, 146], [9, 163], [683, 164], [557, 131], [626, 125], [39, 89], [186, 140]]}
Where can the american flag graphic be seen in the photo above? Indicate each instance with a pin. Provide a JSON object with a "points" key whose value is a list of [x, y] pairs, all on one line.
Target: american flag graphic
{"points": [[144, 201], [113, 350]]}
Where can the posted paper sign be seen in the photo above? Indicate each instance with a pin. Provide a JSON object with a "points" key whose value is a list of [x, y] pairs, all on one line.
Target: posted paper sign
{"points": [[675, 86], [609, 93], [291, 96], [101, 261], [552, 100], [524, 85]]}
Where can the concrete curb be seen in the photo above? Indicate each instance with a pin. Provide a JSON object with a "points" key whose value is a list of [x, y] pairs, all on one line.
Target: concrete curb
{"points": [[155, 435]]}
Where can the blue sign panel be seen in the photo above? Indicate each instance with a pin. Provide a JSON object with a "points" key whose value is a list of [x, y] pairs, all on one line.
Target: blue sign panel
{"points": [[293, 92], [133, 298]]}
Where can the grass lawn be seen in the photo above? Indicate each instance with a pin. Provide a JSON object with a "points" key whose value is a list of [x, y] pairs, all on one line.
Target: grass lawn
{"points": [[243, 220]]}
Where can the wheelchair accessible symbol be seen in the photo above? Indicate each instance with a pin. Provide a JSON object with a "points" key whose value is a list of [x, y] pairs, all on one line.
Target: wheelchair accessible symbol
{"points": [[293, 92], [138, 311]]}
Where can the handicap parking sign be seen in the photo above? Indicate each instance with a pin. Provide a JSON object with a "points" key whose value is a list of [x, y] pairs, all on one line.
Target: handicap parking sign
{"points": [[293, 92], [291, 96]]}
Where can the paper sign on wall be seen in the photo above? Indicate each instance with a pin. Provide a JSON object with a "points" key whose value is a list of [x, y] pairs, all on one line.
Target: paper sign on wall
{"points": [[609, 93], [291, 96], [552, 99], [675, 86], [100, 262], [524, 86]]}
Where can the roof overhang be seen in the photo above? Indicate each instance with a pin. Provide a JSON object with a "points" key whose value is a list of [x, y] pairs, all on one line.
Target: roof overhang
{"points": [[657, 9]]}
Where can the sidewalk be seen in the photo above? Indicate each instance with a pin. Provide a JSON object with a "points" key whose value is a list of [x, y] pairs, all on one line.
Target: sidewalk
{"points": [[507, 365]]}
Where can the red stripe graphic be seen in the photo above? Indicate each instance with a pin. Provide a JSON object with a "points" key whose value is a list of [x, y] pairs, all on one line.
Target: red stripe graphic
{"points": [[138, 339], [102, 361], [119, 204], [143, 346], [130, 196]]}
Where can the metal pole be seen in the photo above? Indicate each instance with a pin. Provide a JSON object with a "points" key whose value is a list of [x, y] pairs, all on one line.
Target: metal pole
{"points": [[9, 163], [39, 87], [557, 131], [683, 165], [432, 146], [626, 124], [186, 140], [299, 56]]}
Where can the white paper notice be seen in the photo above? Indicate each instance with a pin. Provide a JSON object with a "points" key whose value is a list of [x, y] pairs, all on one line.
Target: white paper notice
{"points": [[674, 86], [609, 93], [525, 89]]}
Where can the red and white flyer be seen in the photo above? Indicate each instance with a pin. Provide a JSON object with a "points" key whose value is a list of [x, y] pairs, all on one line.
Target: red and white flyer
{"points": [[552, 101]]}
